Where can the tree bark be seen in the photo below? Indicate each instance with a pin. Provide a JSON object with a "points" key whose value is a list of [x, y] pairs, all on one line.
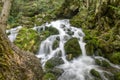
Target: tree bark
{"points": [[14, 63], [5, 13]]}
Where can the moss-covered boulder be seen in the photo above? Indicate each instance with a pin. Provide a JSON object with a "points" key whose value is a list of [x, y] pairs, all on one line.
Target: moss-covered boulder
{"points": [[72, 48], [55, 44], [48, 31], [51, 64], [28, 40], [49, 76], [102, 63], [95, 74]]}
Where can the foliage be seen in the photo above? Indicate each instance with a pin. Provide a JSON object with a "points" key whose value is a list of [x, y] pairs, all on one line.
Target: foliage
{"points": [[115, 58], [22, 9], [28, 40]]}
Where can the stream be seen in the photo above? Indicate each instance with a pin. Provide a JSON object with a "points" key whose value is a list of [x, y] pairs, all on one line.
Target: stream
{"points": [[76, 69]]}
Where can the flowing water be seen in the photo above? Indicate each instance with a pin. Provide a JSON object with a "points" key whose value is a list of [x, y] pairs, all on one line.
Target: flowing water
{"points": [[13, 33], [76, 69]]}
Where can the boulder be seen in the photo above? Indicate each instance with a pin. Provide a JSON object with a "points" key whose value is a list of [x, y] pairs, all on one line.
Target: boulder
{"points": [[72, 48]]}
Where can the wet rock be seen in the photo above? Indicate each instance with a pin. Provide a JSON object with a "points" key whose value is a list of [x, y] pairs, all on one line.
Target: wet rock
{"points": [[47, 32], [58, 38], [72, 48], [50, 66], [52, 30], [49, 76], [57, 72], [95, 74], [102, 63], [55, 44], [52, 63], [70, 32]]}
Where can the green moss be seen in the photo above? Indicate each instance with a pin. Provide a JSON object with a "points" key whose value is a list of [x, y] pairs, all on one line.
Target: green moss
{"points": [[28, 39], [55, 44], [92, 46], [55, 61], [95, 73], [52, 30], [49, 76], [102, 63], [115, 58], [72, 47], [22, 9], [49, 31]]}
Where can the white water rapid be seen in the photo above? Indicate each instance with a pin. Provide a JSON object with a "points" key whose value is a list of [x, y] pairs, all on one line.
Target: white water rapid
{"points": [[77, 69]]}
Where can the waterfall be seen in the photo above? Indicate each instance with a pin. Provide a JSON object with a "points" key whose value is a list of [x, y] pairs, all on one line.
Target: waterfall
{"points": [[76, 69]]}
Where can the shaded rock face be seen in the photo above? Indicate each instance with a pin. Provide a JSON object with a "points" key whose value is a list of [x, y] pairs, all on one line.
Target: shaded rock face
{"points": [[72, 48]]}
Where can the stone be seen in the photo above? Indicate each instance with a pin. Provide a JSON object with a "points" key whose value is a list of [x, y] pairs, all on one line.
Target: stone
{"points": [[72, 48]]}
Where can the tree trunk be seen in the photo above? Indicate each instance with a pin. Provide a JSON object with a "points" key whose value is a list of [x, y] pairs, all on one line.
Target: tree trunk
{"points": [[14, 63], [5, 13]]}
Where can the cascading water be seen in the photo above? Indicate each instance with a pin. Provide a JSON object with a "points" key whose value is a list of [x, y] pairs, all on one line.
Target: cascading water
{"points": [[77, 69], [13, 33]]}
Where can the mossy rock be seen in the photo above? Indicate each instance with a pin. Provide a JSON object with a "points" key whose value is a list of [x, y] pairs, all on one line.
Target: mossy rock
{"points": [[48, 32], [95, 74], [102, 63], [72, 47], [49, 76], [115, 58], [52, 30], [92, 46], [55, 44], [52, 63], [28, 40]]}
